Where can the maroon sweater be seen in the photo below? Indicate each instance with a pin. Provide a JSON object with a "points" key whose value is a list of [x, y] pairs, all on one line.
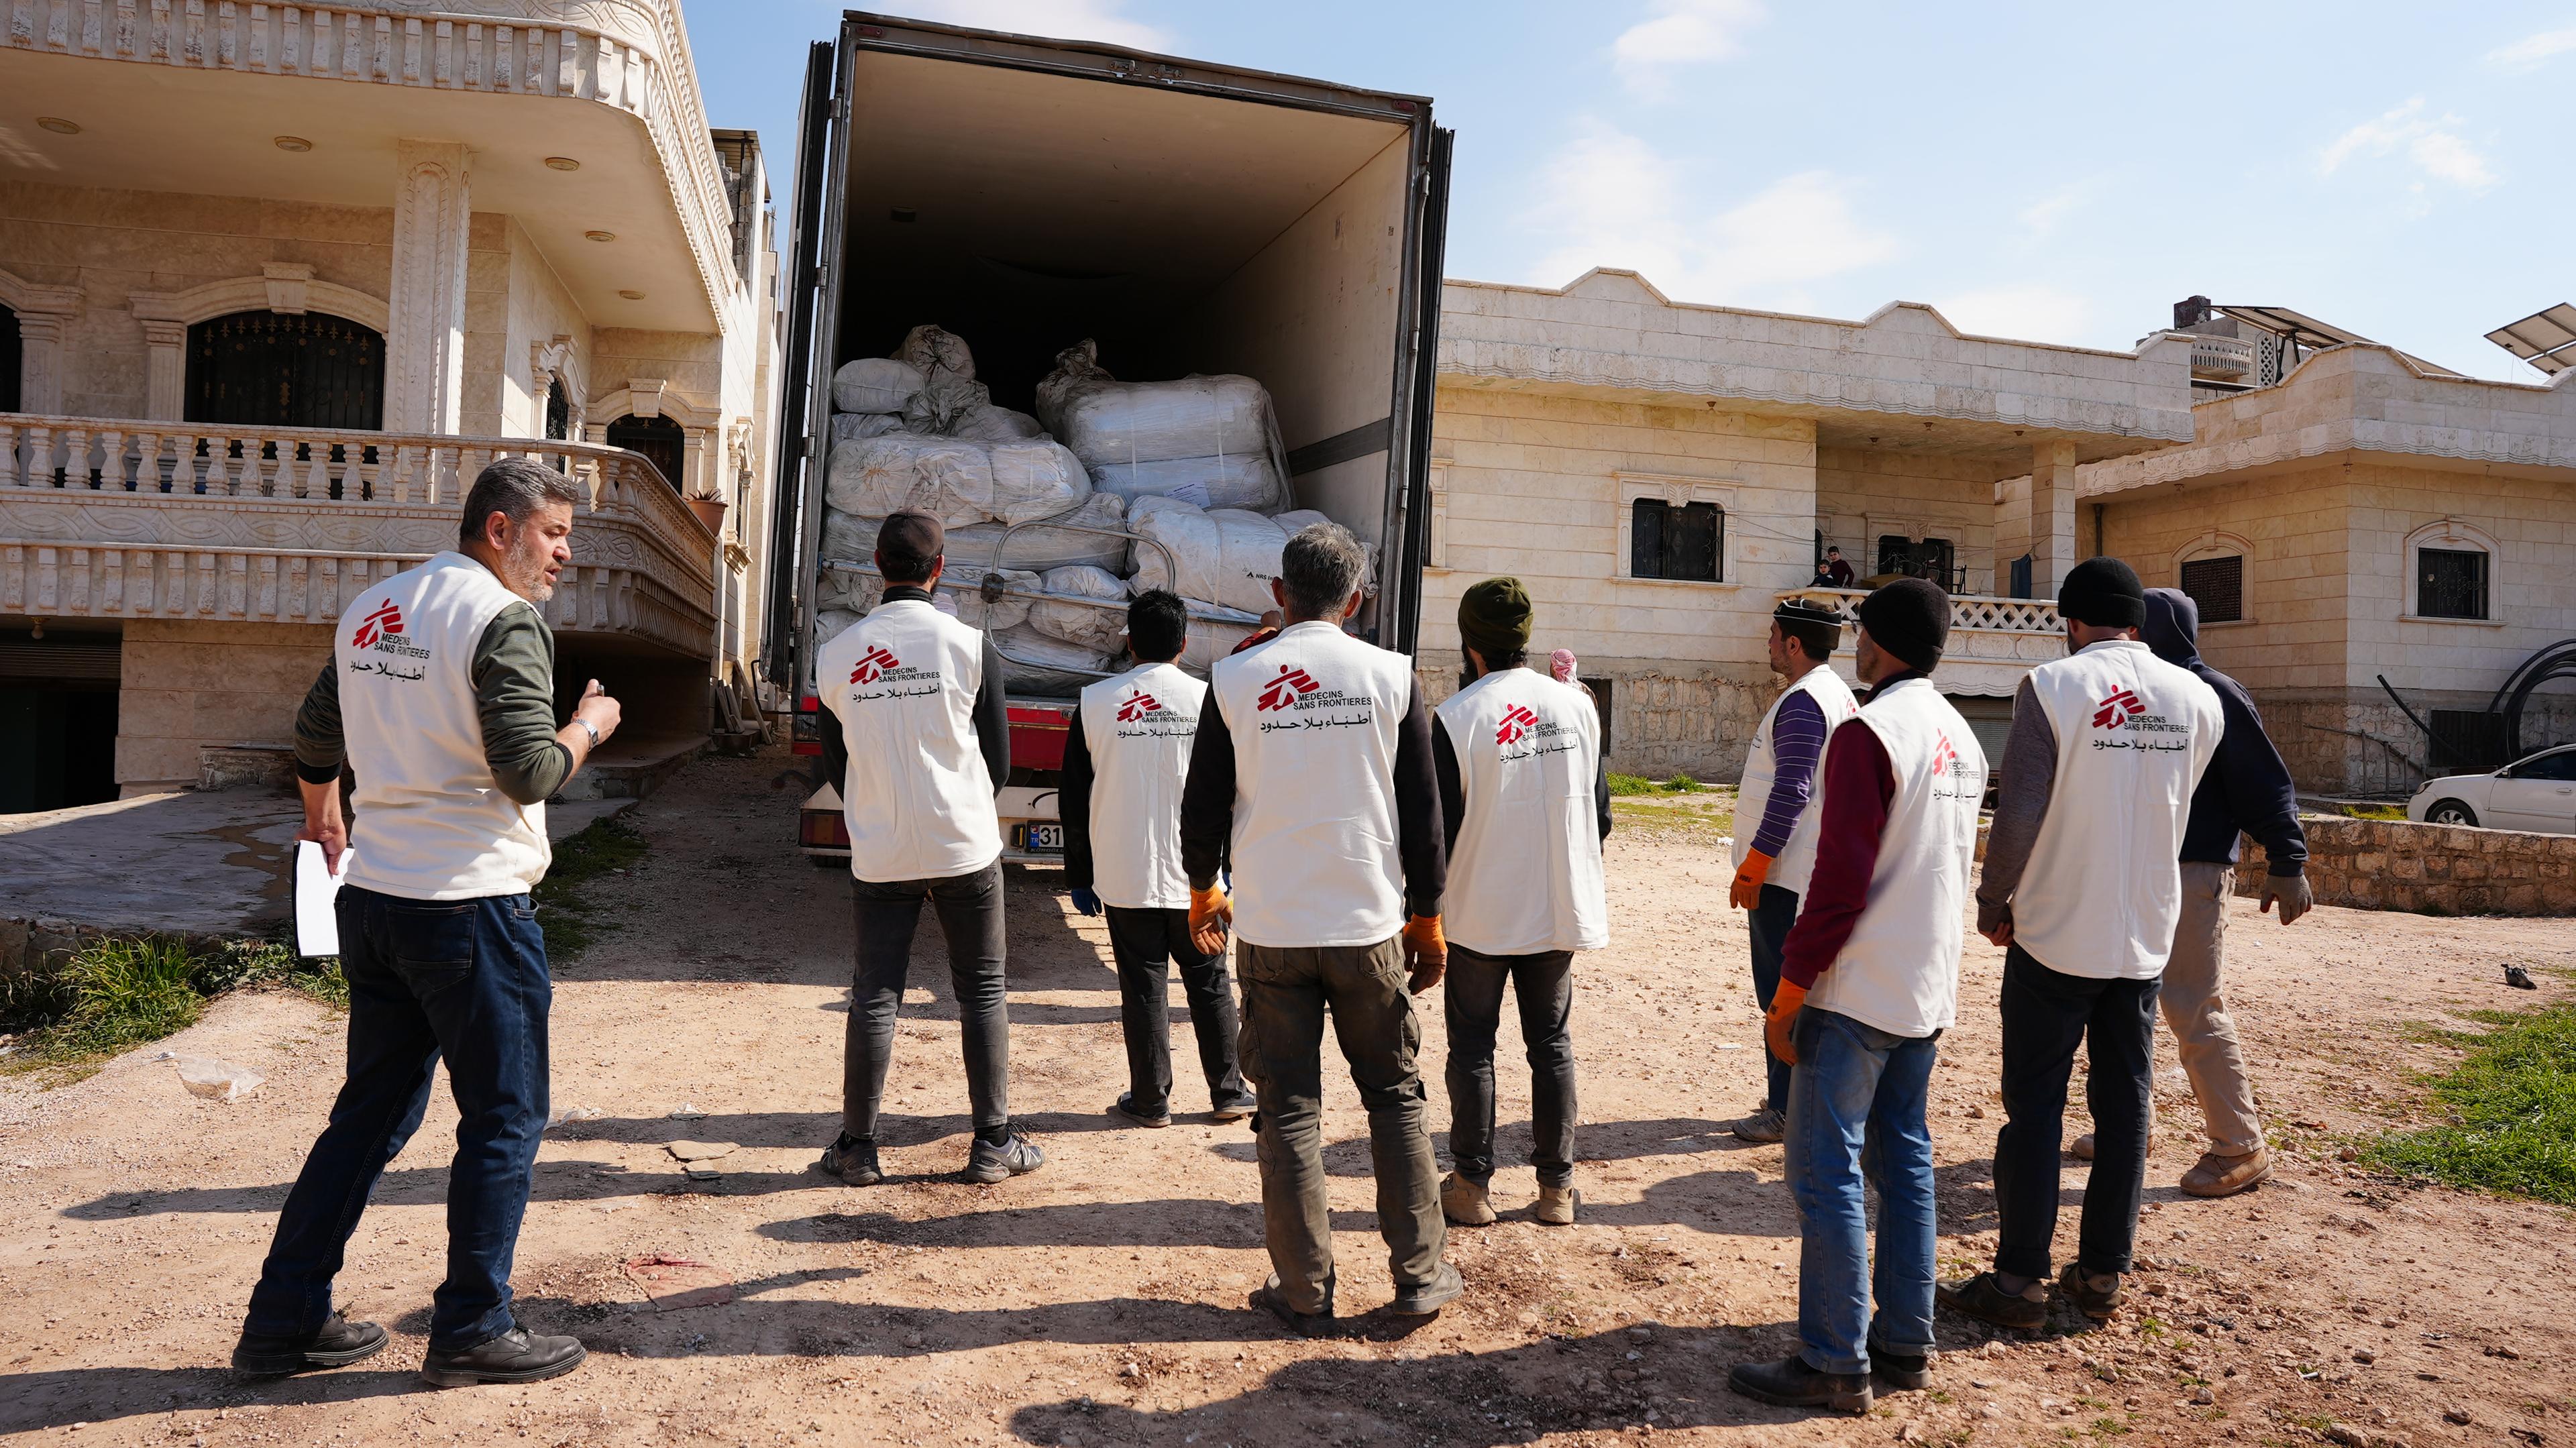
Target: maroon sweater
{"points": [[1858, 785]]}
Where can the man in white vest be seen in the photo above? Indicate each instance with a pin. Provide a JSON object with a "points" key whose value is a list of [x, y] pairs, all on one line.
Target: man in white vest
{"points": [[1524, 806], [2083, 888], [440, 699], [1312, 772], [1125, 760], [918, 739], [1773, 860], [1869, 981]]}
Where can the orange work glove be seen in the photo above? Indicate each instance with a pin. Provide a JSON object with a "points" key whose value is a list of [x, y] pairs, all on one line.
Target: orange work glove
{"points": [[1211, 917], [1426, 953], [1746, 892], [1786, 1002]]}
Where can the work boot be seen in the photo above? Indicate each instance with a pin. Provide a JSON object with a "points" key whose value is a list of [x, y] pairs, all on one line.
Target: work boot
{"points": [[1763, 1126], [1555, 1205], [1015, 1156], [1431, 1296], [1984, 1299], [2225, 1176], [1905, 1371], [1126, 1106], [1269, 1298], [853, 1161], [516, 1356], [336, 1344], [1232, 1109], [2097, 1303], [1790, 1383], [1465, 1202]]}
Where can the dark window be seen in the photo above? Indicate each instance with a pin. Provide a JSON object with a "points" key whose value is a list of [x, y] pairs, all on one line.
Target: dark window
{"points": [[2548, 766], [267, 369], [1668, 542], [2217, 587], [659, 439], [2450, 583], [1927, 559], [2020, 585], [10, 353], [558, 411]]}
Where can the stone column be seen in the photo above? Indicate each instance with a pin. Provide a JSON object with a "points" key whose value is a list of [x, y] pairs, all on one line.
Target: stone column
{"points": [[693, 462], [165, 370], [43, 314], [2052, 516], [425, 340]]}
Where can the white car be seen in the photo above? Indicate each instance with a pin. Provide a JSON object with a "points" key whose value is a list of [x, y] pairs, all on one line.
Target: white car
{"points": [[2536, 793]]}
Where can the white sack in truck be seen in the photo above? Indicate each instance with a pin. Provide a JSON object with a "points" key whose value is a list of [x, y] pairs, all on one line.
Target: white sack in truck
{"points": [[1095, 626], [852, 426], [935, 409], [852, 591], [1042, 546], [940, 354], [1213, 634], [875, 385], [829, 622], [1226, 557], [1249, 481], [1033, 663], [986, 422], [1210, 422], [1293, 523], [960, 483]]}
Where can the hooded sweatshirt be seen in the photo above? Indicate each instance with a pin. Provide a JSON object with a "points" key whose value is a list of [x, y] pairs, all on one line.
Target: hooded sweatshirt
{"points": [[2247, 788]]}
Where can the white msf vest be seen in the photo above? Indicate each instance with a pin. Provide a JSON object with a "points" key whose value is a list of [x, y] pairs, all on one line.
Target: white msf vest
{"points": [[2102, 890], [918, 798], [1140, 727], [1900, 969], [1313, 715], [432, 822], [1796, 862], [1526, 874]]}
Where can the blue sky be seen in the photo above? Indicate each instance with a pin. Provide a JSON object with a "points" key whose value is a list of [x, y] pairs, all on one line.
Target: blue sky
{"points": [[2062, 173]]}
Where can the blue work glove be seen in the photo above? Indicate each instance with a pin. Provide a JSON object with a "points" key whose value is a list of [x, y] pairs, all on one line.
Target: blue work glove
{"points": [[1086, 900]]}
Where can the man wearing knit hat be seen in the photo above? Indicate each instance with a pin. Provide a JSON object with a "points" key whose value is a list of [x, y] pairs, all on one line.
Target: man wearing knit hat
{"points": [[1869, 981], [1772, 861], [1515, 751], [2083, 889]]}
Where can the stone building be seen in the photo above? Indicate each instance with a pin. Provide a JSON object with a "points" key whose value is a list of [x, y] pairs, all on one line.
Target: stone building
{"points": [[276, 281]]}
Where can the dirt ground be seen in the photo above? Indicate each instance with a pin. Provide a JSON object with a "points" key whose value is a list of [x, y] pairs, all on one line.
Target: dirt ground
{"points": [[1101, 1301]]}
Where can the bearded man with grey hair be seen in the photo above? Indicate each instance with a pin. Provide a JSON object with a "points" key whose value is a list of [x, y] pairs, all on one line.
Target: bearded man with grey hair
{"points": [[1312, 771], [440, 698]]}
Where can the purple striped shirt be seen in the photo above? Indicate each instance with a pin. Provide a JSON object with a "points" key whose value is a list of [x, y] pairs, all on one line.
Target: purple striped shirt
{"points": [[1797, 742]]}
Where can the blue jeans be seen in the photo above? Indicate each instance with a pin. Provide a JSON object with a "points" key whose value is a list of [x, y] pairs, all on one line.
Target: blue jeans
{"points": [[463, 979], [1856, 1102], [1768, 924]]}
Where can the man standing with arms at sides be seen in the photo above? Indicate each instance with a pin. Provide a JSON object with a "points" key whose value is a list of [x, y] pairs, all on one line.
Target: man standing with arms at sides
{"points": [[1131, 738], [1524, 805], [1772, 863], [1869, 983], [2083, 888], [919, 742], [1313, 768], [440, 697]]}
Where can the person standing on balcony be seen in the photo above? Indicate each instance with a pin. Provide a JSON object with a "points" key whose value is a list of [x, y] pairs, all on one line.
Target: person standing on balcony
{"points": [[919, 742], [1837, 569], [1524, 806], [1312, 771], [440, 697], [1772, 863], [2083, 888], [1126, 759]]}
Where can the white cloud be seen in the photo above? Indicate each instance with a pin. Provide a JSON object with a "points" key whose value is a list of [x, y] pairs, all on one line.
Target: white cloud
{"points": [[2533, 51], [2432, 144], [1102, 20], [2044, 216], [1681, 33], [1612, 200], [2036, 312]]}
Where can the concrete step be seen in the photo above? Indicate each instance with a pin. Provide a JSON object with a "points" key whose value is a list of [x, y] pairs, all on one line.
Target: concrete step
{"points": [[627, 768]]}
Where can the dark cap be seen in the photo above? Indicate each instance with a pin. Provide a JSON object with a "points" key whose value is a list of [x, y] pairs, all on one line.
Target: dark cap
{"points": [[1494, 618], [908, 542], [2103, 592], [1817, 627], [1909, 618]]}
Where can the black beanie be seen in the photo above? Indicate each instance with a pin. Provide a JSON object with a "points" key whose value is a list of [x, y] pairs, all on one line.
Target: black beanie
{"points": [[1909, 618], [1494, 618], [2105, 593]]}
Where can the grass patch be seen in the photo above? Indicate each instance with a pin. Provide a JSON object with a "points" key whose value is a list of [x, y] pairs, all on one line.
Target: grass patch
{"points": [[1637, 784], [2374, 811], [607, 847], [121, 992], [2511, 1111]]}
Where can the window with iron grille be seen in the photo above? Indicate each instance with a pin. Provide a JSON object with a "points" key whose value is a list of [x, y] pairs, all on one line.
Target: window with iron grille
{"points": [[1686, 542], [2217, 588], [10, 355], [2450, 583], [274, 369], [1931, 558]]}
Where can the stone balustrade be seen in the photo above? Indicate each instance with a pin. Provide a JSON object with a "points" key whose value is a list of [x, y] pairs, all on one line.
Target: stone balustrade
{"points": [[1993, 641], [106, 518]]}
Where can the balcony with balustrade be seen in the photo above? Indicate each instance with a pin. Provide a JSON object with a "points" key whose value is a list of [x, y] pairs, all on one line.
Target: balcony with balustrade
{"points": [[1994, 642]]}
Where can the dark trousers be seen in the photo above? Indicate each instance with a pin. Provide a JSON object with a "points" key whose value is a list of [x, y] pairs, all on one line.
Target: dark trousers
{"points": [[1768, 923], [460, 979], [1543, 984], [2046, 1014], [1147, 944], [970, 916], [1287, 991]]}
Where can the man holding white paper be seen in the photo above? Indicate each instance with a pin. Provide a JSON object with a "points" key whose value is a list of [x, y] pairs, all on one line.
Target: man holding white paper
{"points": [[440, 698]]}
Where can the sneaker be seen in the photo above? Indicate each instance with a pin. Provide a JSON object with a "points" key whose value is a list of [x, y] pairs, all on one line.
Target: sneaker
{"points": [[2225, 1176], [1465, 1202], [1555, 1205], [1126, 1106], [2094, 1302], [1790, 1383], [1982, 1298], [1431, 1296], [1269, 1298], [516, 1356], [1764, 1126], [1016, 1156], [336, 1344], [853, 1161], [1904, 1371], [1234, 1110]]}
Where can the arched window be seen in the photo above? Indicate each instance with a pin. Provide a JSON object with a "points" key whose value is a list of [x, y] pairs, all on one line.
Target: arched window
{"points": [[659, 439], [558, 412], [12, 356], [275, 369]]}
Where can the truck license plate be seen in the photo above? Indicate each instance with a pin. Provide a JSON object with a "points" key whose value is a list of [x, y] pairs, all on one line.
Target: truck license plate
{"points": [[1036, 838]]}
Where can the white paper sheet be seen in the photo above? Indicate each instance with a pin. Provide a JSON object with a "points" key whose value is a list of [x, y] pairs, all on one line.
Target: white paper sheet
{"points": [[317, 925]]}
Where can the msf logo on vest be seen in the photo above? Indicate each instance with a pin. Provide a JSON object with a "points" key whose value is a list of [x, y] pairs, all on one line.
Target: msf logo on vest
{"points": [[2122, 712], [381, 632], [1516, 725], [1138, 706], [872, 665], [387, 619], [1283, 692], [2118, 709]]}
